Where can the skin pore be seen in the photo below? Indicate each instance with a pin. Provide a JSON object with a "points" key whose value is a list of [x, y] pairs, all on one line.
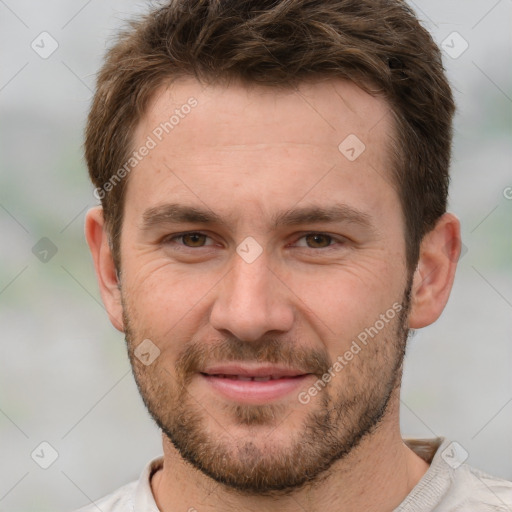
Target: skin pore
{"points": [[265, 163]]}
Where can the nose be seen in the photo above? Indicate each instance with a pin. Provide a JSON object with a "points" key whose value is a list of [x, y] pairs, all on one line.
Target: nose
{"points": [[252, 302]]}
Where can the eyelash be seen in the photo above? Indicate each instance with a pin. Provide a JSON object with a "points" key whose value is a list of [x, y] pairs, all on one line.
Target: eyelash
{"points": [[169, 239]]}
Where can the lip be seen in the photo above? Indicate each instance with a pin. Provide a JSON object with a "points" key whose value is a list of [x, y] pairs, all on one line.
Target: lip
{"points": [[220, 379]]}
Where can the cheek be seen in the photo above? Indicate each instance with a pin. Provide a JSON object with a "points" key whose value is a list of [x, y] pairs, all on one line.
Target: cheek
{"points": [[361, 287], [166, 298]]}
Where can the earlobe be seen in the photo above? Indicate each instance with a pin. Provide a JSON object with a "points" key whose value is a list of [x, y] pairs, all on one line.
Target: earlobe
{"points": [[435, 272], [98, 241]]}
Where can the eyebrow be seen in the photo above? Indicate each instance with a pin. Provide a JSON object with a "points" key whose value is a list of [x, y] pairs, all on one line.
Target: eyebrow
{"points": [[178, 213], [317, 214]]}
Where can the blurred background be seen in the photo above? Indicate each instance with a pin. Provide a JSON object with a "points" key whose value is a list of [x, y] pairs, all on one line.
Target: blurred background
{"points": [[65, 379]]}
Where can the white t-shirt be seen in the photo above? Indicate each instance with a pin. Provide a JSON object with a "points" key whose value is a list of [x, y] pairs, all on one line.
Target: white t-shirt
{"points": [[449, 485]]}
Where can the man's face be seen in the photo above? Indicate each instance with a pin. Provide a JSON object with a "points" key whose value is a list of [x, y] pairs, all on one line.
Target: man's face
{"points": [[269, 284]]}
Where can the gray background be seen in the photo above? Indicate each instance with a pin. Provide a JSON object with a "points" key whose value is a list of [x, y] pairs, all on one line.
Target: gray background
{"points": [[64, 375]]}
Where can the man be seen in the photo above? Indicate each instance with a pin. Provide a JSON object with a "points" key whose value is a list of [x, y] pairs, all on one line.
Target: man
{"points": [[273, 179]]}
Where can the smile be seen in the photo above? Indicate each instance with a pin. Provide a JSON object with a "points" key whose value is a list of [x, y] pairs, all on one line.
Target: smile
{"points": [[253, 385]]}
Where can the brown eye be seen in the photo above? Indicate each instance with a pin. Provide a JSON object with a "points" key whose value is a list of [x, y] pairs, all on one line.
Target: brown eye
{"points": [[318, 240], [193, 239]]}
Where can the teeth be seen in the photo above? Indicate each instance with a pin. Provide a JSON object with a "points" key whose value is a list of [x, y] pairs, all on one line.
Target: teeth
{"points": [[247, 378]]}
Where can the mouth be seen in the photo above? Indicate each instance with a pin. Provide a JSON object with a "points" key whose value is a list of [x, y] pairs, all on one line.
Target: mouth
{"points": [[253, 384], [264, 378]]}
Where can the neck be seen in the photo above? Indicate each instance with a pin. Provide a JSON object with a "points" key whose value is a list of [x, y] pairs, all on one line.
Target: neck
{"points": [[375, 476]]}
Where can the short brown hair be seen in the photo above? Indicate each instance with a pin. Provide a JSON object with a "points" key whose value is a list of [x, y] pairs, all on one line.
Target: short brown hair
{"points": [[377, 44]]}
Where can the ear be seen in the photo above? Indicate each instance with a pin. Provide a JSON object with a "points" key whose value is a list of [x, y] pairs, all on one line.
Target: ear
{"points": [[435, 272], [98, 241]]}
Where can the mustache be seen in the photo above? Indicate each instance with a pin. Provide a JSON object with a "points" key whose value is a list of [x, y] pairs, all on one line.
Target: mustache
{"points": [[197, 355]]}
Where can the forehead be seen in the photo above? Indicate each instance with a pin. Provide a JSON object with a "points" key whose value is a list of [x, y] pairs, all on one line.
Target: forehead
{"points": [[239, 114], [271, 146]]}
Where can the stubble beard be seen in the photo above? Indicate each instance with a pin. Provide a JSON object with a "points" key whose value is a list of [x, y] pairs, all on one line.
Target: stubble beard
{"points": [[254, 463]]}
